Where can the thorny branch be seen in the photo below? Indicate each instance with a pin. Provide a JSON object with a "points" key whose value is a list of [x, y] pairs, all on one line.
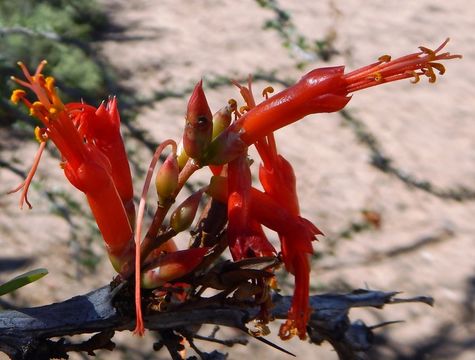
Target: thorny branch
{"points": [[26, 333]]}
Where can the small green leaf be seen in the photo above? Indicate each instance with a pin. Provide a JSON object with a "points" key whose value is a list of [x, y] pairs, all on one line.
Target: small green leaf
{"points": [[22, 280]]}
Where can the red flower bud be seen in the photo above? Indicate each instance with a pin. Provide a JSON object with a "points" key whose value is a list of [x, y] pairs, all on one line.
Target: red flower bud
{"points": [[199, 124]]}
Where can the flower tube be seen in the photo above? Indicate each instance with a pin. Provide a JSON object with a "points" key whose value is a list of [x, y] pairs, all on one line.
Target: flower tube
{"points": [[322, 90], [84, 164]]}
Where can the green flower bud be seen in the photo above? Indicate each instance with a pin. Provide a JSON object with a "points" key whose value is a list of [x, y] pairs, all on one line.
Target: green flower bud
{"points": [[182, 156], [218, 188], [166, 181], [182, 218], [221, 120]]}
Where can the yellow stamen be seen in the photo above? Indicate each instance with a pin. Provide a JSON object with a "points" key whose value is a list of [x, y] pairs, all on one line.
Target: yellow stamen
{"points": [[429, 72], [244, 109], [232, 104], [416, 76], [268, 90], [385, 58], [427, 51], [17, 95], [49, 84], [378, 76], [40, 135], [38, 109], [440, 67]]}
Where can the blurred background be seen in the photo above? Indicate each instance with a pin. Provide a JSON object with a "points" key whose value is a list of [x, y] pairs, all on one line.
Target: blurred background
{"points": [[390, 181]]}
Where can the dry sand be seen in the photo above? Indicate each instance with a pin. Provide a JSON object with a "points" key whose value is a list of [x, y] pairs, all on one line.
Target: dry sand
{"points": [[426, 130]]}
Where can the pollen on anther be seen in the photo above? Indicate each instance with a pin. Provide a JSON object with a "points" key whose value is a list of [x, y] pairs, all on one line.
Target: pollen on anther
{"points": [[17, 95], [378, 77], [427, 51], [268, 90], [416, 76], [385, 58], [429, 72], [233, 104], [40, 135], [244, 109], [440, 67]]}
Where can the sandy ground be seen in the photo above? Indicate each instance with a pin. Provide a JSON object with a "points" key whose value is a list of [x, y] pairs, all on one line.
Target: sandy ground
{"points": [[425, 244]]}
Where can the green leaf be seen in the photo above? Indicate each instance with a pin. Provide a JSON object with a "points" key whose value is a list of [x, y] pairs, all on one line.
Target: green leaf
{"points": [[22, 280]]}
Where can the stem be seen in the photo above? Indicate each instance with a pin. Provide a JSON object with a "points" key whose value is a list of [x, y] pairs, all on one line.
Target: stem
{"points": [[139, 329], [150, 242]]}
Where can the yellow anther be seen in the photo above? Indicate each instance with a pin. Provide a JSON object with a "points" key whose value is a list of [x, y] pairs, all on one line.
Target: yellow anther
{"points": [[378, 76], [385, 58], [17, 95], [49, 83], [38, 109], [416, 76], [268, 90], [427, 51], [440, 67], [429, 72], [232, 104], [40, 135], [53, 111], [244, 109]]}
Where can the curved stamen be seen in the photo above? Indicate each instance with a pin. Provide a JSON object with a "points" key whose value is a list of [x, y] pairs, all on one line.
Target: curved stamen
{"points": [[25, 185]]}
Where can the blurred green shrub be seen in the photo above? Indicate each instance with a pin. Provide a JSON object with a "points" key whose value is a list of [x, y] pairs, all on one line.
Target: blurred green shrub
{"points": [[60, 31]]}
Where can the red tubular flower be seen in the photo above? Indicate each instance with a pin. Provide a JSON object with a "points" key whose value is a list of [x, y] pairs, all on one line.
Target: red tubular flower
{"points": [[296, 235], [84, 164], [101, 127], [245, 235], [324, 90]]}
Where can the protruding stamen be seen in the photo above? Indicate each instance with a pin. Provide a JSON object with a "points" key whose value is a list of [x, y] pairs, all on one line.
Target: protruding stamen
{"points": [[17, 95], [428, 51], [232, 104], [416, 76], [387, 70], [268, 90], [40, 134], [440, 67], [25, 185], [243, 109], [429, 72], [385, 58]]}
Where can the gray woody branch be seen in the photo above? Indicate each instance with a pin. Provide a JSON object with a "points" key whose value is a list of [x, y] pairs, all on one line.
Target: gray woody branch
{"points": [[25, 333]]}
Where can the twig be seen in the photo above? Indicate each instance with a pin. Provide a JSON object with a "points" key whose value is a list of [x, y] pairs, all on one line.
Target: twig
{"points": [[25, 332]]}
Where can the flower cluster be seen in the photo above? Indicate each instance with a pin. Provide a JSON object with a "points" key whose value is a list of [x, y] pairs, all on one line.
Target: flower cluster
{"points": [[95, 162]]}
